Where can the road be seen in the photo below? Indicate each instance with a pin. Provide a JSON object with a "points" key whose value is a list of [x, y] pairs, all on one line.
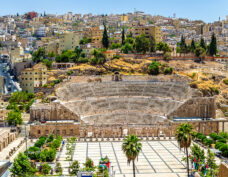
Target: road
{"points": [[9, 80]]}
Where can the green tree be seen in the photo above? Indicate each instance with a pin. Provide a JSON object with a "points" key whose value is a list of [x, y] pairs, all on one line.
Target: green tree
{"points": [[183, 46], [45, 168], [14, 118], [153, 68], [39, 55], [184, 138], [127, 48], [22, 167], [115, 46], [123, 36], [74, 168], [47, 62], [213, 45], [129, 40], [211, 163], [193, 46], [200, 52], [163, 47], [152, 45], [141, 44], [203, 44], [131, 147], [51, 55], [99, 58], [105, 39]]}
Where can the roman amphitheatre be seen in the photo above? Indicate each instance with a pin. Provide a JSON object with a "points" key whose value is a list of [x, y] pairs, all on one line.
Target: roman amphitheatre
{"points": [[106, 105]]}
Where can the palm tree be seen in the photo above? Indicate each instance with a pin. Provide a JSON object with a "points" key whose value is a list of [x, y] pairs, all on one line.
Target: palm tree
{"points": [[184, 138], [131, 147]]}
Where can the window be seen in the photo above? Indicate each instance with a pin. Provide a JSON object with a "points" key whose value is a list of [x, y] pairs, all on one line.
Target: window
{"points": [[57, 132], [46, 131], [38, 131], [30, 78], [35, 73], [64, 132], [71, 131], [44, 73]]}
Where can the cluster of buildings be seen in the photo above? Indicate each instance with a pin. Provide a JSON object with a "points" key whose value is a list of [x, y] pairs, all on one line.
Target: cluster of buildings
{"points": [[20, 35]]}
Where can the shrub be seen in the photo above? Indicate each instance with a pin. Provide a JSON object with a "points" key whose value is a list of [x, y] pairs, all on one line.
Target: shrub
{"points": [[33, 153], [218, 145], [224, 135], [56, 143], [82, 60], [153, 68], [202, 137], [74, 168], [50, 138], [45, 168], [58, 168], [208, 142], [222, 140], [214, 90], [168, 70], [198, 135], [224, 150], [40, 142], [213, 136], [69, 73], [89, 165], [225, 81], [47, 155]]}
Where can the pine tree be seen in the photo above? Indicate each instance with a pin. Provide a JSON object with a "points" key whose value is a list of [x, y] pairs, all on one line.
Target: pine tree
{"points": [[202, 43], [193, 46], [152, 44], [183, 45], [105, 40], [213, 45], [123, 36]]}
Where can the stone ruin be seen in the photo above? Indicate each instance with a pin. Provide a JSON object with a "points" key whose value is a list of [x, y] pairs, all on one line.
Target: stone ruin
{"points": [[131, 101]]}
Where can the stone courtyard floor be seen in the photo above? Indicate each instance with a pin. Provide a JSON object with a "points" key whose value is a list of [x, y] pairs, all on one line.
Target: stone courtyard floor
{"points": [[157, 159]]}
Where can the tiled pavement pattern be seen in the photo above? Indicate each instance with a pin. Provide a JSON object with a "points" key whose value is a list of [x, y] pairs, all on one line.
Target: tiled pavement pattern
{"points": [[157, 159]]}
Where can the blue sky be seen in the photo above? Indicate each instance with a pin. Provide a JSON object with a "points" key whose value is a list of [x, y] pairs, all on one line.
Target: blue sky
{"points": [[207, 10]]}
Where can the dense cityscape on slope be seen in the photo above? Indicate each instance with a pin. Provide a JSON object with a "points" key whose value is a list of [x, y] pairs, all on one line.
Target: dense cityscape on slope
{"points": [[84, 95]]}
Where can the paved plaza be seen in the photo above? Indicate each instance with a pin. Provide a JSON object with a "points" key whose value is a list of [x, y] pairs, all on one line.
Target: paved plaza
{"points": [[157, 159]]}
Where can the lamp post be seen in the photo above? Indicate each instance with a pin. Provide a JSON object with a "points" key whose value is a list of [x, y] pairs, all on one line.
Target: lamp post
{"points": [[26, 139]]}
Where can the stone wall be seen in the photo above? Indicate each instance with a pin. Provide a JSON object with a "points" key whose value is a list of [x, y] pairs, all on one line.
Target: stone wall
{"points": [[203, 107], [63, 129], [6, 137], [223, 170], [51, 112], [74, 129]]}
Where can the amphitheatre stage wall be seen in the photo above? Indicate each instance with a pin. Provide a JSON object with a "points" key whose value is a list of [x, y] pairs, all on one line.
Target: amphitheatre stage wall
{"points": [[114, 131]]}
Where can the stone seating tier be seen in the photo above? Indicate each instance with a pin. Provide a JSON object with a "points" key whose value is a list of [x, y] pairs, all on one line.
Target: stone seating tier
{"points": [[173, 90], [130, 117], [110, 104]]}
